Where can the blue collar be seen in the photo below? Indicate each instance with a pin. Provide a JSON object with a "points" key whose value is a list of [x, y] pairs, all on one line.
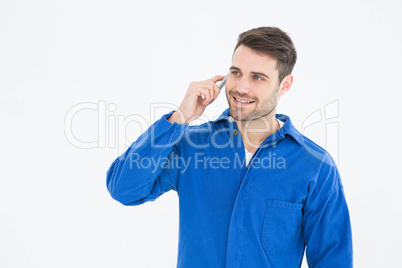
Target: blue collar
{"points": [[286, 129]]}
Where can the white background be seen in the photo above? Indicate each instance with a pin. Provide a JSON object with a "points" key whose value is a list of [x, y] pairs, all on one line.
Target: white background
{"points": [[55, 210]]}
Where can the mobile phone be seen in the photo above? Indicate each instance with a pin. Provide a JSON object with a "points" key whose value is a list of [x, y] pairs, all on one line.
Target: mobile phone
{"points": [[222, 83]]}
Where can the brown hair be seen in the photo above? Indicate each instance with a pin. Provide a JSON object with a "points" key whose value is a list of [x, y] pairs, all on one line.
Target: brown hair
{"points": [[274, 42]]}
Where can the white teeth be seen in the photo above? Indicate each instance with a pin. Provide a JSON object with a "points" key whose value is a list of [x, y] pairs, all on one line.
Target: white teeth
{"points": [[242, 101]]}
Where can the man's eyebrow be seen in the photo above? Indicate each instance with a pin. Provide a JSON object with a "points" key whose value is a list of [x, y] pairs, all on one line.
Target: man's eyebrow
{"points": [[255, 73]]}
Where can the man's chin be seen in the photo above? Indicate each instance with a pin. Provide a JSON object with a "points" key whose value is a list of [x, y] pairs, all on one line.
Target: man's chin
{"points": [[242, 116], [238, 116]]}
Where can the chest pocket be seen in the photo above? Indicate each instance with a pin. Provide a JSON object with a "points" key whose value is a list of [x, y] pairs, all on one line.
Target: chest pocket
{"points": [[282, 228]]}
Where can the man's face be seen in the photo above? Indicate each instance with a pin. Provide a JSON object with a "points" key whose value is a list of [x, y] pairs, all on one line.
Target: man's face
{"points": [[252, 85]]}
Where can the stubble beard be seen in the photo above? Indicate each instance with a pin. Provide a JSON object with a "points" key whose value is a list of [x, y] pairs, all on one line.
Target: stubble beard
{"points": [[262, 110]]}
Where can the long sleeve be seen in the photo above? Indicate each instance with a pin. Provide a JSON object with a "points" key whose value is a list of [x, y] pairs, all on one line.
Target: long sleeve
{"points": [[143, 172], [326, 224]]}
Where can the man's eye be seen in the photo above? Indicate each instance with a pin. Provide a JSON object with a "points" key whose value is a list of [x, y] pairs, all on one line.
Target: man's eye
{"points": [[235, 73], [256, 77]]}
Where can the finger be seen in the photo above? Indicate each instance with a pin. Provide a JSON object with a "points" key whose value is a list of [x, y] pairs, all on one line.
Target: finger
{"points": [[206, 93], [217, 91], [216, 78], [212, 90]]}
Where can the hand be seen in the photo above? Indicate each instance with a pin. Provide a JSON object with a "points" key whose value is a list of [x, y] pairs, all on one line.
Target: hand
{"points": [[193, 105]]}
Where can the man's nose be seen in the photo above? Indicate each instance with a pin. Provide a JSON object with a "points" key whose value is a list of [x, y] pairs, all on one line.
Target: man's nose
{"points": [[243, 86]]}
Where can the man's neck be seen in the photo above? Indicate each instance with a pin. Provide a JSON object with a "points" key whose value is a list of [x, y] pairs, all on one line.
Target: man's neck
{"points": [[254, 132]]}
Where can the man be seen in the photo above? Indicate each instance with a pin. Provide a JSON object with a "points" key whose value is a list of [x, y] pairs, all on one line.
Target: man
{"points": [[251, 192]]}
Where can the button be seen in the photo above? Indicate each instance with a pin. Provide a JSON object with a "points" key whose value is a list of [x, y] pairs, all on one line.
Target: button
{"points": [[235, 131]]}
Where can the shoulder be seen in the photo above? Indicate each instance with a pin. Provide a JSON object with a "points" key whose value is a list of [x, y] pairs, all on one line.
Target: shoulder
{"points": [[309, 151], [316, 166]]}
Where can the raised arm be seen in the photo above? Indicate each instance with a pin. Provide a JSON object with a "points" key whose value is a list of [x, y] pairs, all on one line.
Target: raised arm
{"points": [[143, 172]]}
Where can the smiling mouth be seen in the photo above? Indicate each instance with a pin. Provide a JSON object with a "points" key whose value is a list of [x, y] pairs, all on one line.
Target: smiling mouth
{"points": [[242, 102]]}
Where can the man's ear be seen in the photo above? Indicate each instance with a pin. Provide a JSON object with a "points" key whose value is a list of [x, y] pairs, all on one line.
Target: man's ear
{"points": [[286, 84]]}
